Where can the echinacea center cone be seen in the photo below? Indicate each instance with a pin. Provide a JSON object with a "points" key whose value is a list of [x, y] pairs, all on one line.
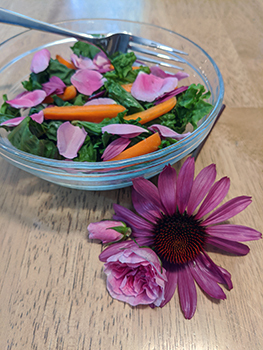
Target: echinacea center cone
{"points": [[178, 238]]}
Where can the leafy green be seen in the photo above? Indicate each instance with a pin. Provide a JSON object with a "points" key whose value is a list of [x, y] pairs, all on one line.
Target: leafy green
{"points": [[123, 72], [6, 109], [25, 137], [80, 48], [55, 68], [87, 153], [117, 93], [190, 108]]}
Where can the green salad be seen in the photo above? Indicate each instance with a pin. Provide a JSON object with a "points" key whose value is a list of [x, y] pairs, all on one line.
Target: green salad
{"points": [[93, 108]]}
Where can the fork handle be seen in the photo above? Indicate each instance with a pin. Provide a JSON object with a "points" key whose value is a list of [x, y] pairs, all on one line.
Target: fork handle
{"points": [[11, 17]]}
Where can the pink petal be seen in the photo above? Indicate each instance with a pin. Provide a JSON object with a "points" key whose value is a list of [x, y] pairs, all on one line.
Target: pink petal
{"points": [[82, 62], [69, 139], [158, 72], [170, 94], [132, 220], [170, 286], [235, 233], [100, 101], [227, 210], [13, 121], [184, 184], [145, 208], [87, 81], [115, 148], [103, 231], [167, 189], [228, 246], [164, 131], [147, 87], [102, 62], [187, 292], [38, 117], [40, 61], [201, 186], [148, 190], [114, 249], [28, 99], [54, 86], [208, 267], [215, 196], [127, 130], [204, 281]]}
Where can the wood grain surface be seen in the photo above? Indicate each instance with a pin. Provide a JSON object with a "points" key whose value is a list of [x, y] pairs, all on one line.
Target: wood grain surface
{"points": [[52, 285]]}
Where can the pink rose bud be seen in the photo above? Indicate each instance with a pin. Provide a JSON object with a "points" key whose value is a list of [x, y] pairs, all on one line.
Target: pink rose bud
{"points": [[108, 231]]}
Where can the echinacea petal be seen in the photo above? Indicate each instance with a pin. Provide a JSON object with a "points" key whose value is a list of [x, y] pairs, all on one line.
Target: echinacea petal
{"points": [[187, 292], [132, 220], [228, 246], [184, 184], [40, 61], [145, 208], [69, 139], [115, 148], [28, 99], [170, 94], [201, 185], [207, 284], [235, 233], [167, 189], [126, 130], [170, 287], [215, 196], [87, 81], [164, 131], [148, 190], [218, 274], [227, 210], [13, 121], [147, 87]]}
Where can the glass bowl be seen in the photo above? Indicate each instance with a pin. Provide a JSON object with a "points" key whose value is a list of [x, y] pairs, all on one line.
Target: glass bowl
{"points": [[15, 59]]}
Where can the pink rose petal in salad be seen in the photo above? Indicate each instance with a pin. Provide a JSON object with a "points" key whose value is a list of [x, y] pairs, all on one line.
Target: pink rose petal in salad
{"points": [[83, 62], [126, 130], [164, 132], [158, 72], [69, 139], [27, 99], [54, 86], [40, 61], [102, 62], [147, 87], [87, 81], [100, 101], [37, 117], [115, 148]]}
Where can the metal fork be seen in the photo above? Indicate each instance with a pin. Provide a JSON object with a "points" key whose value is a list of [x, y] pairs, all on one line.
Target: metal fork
{"points": [[111, 43]]}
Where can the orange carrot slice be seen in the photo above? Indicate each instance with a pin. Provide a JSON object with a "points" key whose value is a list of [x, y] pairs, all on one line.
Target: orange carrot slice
{"points": [[66, 63], [90, 113], [127, 87], [69, 93], [153, 112], [148, 145]]}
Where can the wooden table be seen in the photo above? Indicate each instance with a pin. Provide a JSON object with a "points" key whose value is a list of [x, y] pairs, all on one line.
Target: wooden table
{"points": [[52, 285]]}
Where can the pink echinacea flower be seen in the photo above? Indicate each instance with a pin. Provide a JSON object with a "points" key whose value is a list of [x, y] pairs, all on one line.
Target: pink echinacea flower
{"points": [[174, 219]]}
